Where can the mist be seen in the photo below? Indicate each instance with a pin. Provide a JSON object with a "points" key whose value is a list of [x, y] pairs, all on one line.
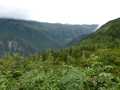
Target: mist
{"points": [[15, 13], [61, 11]]}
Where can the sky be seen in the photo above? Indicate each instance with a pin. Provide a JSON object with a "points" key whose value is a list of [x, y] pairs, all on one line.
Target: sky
{"points": [[62, 11]]}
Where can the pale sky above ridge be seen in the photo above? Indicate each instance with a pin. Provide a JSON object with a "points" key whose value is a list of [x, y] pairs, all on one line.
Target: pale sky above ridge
{"points": [[62, 11]]}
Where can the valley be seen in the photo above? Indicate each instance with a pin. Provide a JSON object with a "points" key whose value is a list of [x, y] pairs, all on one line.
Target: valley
{"points": [[93, 63], [28, 37]]}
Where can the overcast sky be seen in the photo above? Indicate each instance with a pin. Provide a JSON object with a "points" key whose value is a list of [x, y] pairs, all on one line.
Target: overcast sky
{"points": [[62, 11]]}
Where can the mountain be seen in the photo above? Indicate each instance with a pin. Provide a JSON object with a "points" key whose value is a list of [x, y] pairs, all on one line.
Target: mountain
{"points": [[30, 36], [91, 64], [107, 36]]}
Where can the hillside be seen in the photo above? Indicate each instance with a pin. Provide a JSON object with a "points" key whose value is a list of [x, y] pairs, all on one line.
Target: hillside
{"points": [[108, 36], [30, 36], [93, 64]]}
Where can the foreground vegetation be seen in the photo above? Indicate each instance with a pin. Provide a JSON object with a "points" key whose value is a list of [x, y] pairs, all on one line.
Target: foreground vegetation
{"points": [[98, 70], [92, 65]]}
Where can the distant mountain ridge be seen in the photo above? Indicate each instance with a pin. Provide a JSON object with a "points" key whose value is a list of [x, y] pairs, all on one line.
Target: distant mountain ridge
{"points": [[30, 36]]}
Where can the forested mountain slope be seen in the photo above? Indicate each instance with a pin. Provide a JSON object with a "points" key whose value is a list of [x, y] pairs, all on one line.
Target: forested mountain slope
{"points": [[108, 36], [92, 64], [30, 36]]}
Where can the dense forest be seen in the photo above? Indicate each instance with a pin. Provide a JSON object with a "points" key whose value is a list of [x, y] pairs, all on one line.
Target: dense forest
{"points": [[92, 64], [28, 37]]}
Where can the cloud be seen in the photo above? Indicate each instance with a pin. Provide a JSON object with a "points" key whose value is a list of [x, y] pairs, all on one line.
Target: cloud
{"points": [[63, 11], [7, 12]]}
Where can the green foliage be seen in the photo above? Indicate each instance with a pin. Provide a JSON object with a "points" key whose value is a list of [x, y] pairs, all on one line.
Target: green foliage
{"points": [[98, 70], [92, 65], [27, 37]]}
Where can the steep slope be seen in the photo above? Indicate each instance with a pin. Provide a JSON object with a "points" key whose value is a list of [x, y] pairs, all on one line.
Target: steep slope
{"points": [[94, 64], [108, 36], [37, 36]]}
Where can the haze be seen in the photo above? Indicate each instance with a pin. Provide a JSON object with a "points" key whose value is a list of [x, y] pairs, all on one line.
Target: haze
{"points": [[62, 11]]}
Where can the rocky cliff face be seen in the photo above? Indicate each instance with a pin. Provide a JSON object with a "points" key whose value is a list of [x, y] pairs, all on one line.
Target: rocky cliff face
{"points": [[13, 46]]}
